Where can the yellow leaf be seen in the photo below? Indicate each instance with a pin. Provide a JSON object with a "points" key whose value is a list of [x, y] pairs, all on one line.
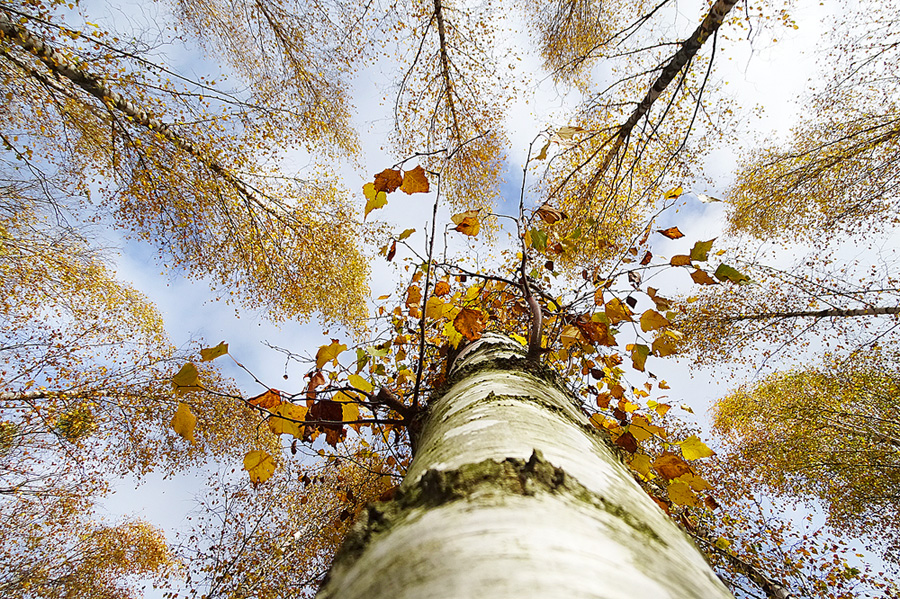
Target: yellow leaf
{"points": [[467, 222], [695, 482], [211, 353], [652, 320], [674, 193], [374, 199], [184, 422], [282, 420], [693, 448], [617, 312], [639, 428], [543, 152], [434, 308], [405, 375], [681, 494], [259, 465], [453, 336], [329, 352], [358, 382], [687, 408], [571, 335], [415, 181], [640, 463], [187, 380]]}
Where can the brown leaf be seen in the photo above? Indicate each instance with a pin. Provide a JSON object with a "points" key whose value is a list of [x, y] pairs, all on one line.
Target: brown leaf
{"points": [[316, 380], [627, 442], [550, 215], [701, 277], [415, 181], [470, 323], [646, 259], [671, 233], [388, 180], [670, 466], [392, 252], [596, 332], [680, 260], [652, 320], [330, 411]]}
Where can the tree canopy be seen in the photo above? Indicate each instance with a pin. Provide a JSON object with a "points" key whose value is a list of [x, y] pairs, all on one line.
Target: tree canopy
{"points": [[109, 127]]}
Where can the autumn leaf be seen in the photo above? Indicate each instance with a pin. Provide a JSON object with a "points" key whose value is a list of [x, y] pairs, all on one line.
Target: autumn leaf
{"points": [[287, 419], [670, 466], [186, 380], [617, 312], [543, 152], [326, 416], [415, 181], [681, 494], [550, 215], [700, 251], [470, 323], [184, 422], [646, 259], [674, 193], [434, 308], [374, 199], [538, 239], [671, 233], [727, 273], [568, 131], [701, 277], [329, 352], [693, 448], [652, 320], [664, 345], [358, 382], [639, 353], [316, 380], [695, 482], [467, 222], [267, 400], [392, 252], [627, 442], [413, 296], [442, 288], [387, 180], [211, 353], [259, 465], [405, 234], [680, 260]]}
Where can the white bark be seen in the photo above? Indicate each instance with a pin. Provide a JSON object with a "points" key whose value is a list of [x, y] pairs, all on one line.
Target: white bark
{"points": [[512, 494]]}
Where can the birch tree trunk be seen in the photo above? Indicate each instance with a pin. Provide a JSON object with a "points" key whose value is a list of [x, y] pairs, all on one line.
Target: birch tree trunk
{"points": [[512, 494]]}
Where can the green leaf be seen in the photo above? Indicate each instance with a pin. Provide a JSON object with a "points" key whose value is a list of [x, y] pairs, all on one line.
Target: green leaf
{"points": [[700, 251], [726, 273], [539, 240]]}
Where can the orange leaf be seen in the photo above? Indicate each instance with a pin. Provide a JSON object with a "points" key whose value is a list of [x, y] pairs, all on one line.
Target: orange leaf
{"points": [[442, 288], [671, 233], [670, 466], [680, 260], [388, 180], [413, 296], [470, 323], [316, 380], [414, 181], [646, 259], [267, 400]]}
